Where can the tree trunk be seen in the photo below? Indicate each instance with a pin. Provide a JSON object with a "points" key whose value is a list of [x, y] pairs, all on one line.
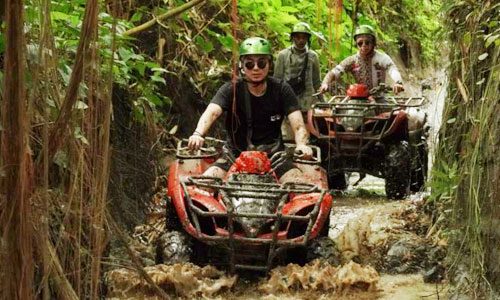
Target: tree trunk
{"points": [[15, 219]]}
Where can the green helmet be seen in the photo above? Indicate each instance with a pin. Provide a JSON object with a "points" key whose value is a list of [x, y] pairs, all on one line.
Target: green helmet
{"points": [[301, 27], [365, 29], [255, 45]]}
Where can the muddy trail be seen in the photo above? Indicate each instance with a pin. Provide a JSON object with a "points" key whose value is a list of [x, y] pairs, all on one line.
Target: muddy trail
{"points": [[384, 250]]}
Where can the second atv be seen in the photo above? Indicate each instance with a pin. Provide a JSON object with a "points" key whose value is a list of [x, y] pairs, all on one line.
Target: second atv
{"points": [[358, 134]]}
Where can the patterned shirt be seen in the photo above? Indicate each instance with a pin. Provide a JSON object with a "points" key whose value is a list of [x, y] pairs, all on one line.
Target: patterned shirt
{"points": [[290, 63], [370, 71]]}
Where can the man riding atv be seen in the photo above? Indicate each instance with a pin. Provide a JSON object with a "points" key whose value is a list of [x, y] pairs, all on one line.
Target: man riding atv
{"points": [[369, 68], [256, 106], [251, 204]]}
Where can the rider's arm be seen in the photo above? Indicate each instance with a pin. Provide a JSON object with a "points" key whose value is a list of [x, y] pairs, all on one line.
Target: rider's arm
{"points": [[208, 117], [279, 67], [393, 72], [316, 73], [335, 73], [300, 132]]}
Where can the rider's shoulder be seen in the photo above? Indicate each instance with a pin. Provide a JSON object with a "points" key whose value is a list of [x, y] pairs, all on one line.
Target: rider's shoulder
{"points": [[277, 84], [350, 59], [284, 52], [313, 53], [273, 81], [382, 58], [381, 54]]}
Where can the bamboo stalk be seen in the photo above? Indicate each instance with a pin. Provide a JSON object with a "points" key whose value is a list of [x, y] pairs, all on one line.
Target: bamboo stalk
{"points": [[171, 13]]}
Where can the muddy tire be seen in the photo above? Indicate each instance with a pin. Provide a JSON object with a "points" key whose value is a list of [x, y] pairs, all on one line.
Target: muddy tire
{"points": [[174, 247], [397, 171], [324, 249], [337, 180], [172, 221], [419, 168], [326, 227]]}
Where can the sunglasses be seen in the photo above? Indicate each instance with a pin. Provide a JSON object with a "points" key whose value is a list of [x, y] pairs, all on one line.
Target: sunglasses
{"points": [[366, 42], [261, 64]]}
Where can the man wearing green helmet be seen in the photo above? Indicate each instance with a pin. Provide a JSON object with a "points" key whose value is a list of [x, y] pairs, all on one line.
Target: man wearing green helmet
{"points": [[368, 66], [255, 107], [299, 66]]}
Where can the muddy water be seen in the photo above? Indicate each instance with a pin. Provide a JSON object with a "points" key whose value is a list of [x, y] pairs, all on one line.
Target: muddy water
{"points": [[352, 205], [362, 223]]}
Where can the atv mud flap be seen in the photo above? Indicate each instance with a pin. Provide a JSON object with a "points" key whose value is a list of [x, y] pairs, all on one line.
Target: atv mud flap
{"points": [[246, 252]]}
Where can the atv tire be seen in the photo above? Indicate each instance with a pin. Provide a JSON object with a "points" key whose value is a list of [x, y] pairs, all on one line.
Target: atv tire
{"points": [[397, 171], [174, 247], [326, 227], [325, 249], [172, 221], [419, 168], [337, 181]]}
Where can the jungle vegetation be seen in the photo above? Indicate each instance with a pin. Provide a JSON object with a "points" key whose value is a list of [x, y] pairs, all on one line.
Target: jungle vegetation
{"points": [[90, 89]]}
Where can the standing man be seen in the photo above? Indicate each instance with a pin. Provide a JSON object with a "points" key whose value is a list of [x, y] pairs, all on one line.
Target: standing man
{"points": [[368, 66], [255, 107], [299, 66]]}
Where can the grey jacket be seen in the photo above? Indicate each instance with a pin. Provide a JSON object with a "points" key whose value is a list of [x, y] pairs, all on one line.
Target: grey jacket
{"points": [[290, 63]]}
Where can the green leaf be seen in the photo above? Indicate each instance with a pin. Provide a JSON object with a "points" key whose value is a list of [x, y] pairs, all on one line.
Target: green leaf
{"points": [[80, 105], [136, 17], [226, 41], [125, 54], [451, 121], [140, 67], [491, 39], [157, 78], [160, 70], [205, 45], [57, 15], [79, 135], [483, 56]]}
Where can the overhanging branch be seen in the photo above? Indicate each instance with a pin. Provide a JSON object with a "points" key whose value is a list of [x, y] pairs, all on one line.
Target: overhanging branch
{"points": [[170, 13]]}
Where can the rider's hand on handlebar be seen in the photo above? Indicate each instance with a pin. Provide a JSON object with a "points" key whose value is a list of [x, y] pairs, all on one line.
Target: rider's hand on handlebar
{"points": [[304, 151], [397, 88], [323, 88], [195, 141]]}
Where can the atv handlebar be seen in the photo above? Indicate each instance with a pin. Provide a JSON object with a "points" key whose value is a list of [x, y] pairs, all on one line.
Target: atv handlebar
{"points": [[281, 157], [212, 148], [341, 101]]}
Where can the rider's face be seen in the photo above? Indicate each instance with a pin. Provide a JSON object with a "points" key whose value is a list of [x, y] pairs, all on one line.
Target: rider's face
{"points": [[256, 67], [365, 44], [300, 39]]}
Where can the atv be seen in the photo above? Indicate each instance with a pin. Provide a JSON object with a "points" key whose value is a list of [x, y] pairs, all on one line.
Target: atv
{"points": [[246, 220], [357, 134]]}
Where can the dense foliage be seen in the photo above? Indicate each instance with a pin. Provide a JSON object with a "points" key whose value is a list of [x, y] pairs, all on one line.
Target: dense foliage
{"points": [[466, 177], [400, 24]]}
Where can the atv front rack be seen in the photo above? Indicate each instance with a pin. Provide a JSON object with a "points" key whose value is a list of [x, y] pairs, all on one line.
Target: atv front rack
{"points": [[240, 189], [374, 125], [334, 109]]}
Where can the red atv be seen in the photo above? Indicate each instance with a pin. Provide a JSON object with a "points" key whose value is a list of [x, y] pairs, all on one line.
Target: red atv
{"points": [[358, 134], [247, 220]]}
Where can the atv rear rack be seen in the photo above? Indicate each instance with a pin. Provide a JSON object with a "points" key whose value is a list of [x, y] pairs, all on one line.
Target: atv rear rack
{"points": [[271, 191]]}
